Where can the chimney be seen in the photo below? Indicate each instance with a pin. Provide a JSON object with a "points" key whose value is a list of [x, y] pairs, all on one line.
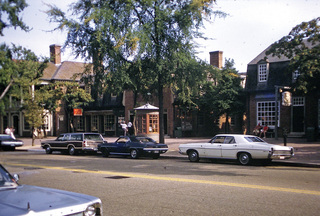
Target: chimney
{"points": [[216, 58], [55, 54]]}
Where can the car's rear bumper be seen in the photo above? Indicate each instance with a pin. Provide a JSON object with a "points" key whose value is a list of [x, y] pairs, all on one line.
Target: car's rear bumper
{"points": [[155, 150], [11, 144]]}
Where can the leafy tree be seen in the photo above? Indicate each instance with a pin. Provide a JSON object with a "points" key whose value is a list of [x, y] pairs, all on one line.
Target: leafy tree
{"points": [[302, 46], [20, 70], [9, 14], [151, 37], [223, 93], [73, 97]]}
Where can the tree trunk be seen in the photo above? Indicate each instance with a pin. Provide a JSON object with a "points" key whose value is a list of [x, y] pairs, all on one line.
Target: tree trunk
{"points": [[161, 122]]}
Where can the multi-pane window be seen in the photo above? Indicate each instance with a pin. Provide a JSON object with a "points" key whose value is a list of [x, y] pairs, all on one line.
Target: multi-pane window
{"points": [[262, 72], [109, 123], [153, 123], [266, 113], [79, 123], [142, 124], [298, 101], [94, 123]]}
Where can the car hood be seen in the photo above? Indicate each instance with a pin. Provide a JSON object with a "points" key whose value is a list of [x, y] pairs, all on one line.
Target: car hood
{"points": [[33, 200]]}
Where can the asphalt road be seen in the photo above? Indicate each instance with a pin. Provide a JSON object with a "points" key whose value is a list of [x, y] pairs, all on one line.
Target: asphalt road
{"points": [[173, 186]]}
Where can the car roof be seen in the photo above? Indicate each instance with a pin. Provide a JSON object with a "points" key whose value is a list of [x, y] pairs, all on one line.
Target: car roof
{"points": [[235, 135]]}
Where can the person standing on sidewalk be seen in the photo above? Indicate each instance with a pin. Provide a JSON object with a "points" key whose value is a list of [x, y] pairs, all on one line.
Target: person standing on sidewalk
{"points": [[124, 128]]}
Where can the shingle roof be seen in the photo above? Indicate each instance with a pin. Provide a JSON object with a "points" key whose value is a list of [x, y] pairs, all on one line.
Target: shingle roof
{"points": [[271, 58], [63, 72]]}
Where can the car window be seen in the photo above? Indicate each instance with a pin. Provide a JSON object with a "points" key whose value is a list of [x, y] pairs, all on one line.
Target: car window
{"points": [[93, 137], [145, 139], [60, 138], [123, 140], [218, 139], [229, 140], [6, 180], [76, 137], [254, 139], [67, 137]]}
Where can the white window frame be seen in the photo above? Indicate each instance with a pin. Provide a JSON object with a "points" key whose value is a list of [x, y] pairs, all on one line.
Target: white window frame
{"points": [[266, 113], [298, 101], [263, 72]]}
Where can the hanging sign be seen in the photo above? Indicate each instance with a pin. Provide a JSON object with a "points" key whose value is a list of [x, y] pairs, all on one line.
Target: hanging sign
{"points": [[286, 98], [77, 112]]}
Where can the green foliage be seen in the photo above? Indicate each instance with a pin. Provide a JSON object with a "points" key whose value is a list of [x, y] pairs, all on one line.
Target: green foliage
{"points": [[73, 96], [137, 45], [222, 93], [9, 14], [20, 68], [302, 46]]}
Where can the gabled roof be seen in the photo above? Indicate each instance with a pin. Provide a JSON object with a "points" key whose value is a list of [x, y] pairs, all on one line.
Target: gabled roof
{"points": [[63, 72], [270, 58], [147, 107]]}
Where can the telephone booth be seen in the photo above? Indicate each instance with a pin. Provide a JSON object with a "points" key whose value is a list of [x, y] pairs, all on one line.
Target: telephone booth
{"points": [[147, 121]]}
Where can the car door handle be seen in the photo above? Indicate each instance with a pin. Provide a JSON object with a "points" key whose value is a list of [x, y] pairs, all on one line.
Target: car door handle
{"points": [[235, 145]]}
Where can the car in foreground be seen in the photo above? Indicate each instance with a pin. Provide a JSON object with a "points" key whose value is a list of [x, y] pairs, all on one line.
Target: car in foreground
{"points": [[74, 143], [243, 148], [7, 142], [133, 146], [16, 199]]}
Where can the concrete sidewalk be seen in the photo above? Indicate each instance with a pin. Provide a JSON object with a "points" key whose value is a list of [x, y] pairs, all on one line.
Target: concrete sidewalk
{"points": [[306, 153]]}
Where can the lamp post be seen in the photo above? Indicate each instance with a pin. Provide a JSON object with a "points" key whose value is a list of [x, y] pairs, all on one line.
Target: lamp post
{"points": [[277, 90]]}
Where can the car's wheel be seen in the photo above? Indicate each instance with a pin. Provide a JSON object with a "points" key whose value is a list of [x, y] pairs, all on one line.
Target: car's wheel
{"points": [[72, 150], [105, 152], [156, 155], [244, 158], [134, 154], [193, 156], [48, 150]]}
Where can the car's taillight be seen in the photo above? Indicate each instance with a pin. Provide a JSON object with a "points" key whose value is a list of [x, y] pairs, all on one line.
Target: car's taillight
{"points": [[84, 144]]}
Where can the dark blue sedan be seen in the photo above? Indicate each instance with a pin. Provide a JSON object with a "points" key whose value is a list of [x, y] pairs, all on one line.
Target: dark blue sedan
{"points": [[133, 146]]}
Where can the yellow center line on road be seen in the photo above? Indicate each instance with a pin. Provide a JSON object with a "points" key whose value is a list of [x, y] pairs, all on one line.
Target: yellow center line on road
{"points": [[153, 177]]}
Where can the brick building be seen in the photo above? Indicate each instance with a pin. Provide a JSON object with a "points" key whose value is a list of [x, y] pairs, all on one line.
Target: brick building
{"points": [[268, 77]]}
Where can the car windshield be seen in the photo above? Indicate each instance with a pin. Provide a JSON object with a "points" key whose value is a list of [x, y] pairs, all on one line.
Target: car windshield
{"points": [[6, 180], [5, 137], [145, 139], [254, 139], [94, 137]]}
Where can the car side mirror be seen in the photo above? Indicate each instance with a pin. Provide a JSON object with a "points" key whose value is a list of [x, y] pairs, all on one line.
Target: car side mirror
{"points": [[16, 177]]}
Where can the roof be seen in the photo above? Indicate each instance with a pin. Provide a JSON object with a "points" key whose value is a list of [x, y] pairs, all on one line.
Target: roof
{"points": [[263, 56], [270, 58], [63, 72], [147, 107]]}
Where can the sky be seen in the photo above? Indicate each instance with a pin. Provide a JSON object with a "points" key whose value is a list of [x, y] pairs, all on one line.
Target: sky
{"points": [[250, 27]]}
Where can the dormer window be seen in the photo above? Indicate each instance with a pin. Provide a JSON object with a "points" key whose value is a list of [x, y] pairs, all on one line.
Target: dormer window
{"points": [[263, 72]]}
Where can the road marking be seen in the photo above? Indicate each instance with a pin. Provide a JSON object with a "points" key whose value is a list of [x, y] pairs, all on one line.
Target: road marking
{"points": [[153, 177]]}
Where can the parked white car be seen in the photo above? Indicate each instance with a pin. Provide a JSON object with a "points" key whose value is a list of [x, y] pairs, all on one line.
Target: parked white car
{"points": [[243, 148], [16, 199]]}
